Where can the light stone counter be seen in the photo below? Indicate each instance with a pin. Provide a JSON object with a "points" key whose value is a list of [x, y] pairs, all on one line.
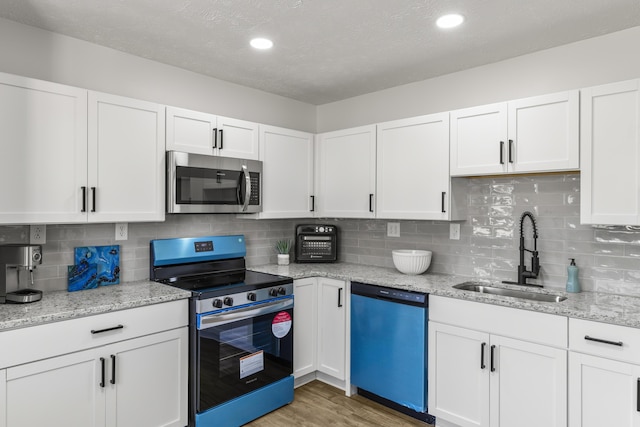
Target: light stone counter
{"points": [[600, 307], [63, 305]]}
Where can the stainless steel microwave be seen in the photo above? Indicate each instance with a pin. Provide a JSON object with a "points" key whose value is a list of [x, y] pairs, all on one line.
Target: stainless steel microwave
{"points": [[198, 183]]}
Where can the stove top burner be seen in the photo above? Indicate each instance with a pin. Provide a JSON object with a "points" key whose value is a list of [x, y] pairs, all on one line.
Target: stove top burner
{"points": [[220, 284]]}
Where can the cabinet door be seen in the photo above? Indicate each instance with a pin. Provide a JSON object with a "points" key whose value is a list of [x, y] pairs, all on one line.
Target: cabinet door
{"points": [[610, 154], [543, 133], [478, 140], [602, 392], [332, 301], [237, 138], [147, 380], [126, 159], [43, 141], [413, 168], [528, 385], [459, 364], [345, 173], [3, 398], [287, 171], [305, 313], [190, 131], [61, 391]]}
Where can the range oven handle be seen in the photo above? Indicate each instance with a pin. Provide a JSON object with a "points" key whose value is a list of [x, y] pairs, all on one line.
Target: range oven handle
{"points": [[218, 319], [247, 188]]}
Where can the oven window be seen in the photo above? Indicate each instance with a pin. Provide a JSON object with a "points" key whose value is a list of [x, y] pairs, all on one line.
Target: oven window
{"points": [[207, 186], [242, 356]]}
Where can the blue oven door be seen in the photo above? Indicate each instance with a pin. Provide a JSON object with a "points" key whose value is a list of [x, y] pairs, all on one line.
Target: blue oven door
{"points": [[243, 349]]}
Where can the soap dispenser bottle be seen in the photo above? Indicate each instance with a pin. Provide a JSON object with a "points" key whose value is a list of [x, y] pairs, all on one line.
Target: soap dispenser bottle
{"points": [[572, 277]]}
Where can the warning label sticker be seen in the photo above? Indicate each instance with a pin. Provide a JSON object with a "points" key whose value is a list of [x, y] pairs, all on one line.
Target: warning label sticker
{"points": [[281, 324]]}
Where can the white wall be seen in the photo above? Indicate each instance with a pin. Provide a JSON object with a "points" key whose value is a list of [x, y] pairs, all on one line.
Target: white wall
{"points": [[44, 55], [595, 61]]}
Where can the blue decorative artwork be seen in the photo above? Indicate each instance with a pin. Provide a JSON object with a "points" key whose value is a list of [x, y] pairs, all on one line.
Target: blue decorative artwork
{"points": [[95, 266]]}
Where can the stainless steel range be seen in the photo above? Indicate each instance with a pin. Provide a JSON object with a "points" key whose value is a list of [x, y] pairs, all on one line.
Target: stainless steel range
{"points": [[241, 328]]}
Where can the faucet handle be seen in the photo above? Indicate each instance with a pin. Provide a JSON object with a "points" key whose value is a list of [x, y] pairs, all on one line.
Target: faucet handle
{"points": [[535, 263]]}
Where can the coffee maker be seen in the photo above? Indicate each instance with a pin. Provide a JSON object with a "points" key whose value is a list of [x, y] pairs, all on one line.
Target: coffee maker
{"points": [[17, 261]]}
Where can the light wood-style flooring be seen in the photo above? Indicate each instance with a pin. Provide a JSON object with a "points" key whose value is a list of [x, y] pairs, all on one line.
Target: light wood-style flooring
{"points": [[319, 404]]}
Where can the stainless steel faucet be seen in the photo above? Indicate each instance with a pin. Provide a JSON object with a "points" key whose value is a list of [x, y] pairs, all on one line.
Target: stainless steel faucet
{"points": [[523, 273]]}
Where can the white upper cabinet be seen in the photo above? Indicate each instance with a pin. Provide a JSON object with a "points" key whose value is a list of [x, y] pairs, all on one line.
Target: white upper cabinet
{"points": [[478, 136], [203, 133], [287, 173], [413, 169], [43, 146], [610, 154], [346, 173], [126, 160], [537, 134]]}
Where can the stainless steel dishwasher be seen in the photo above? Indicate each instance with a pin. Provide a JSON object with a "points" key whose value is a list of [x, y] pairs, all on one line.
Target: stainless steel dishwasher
{"points": [[389, 347]]}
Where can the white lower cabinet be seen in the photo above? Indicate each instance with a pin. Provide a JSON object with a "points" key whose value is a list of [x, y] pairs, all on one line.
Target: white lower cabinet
{"points": [[321, 330], [137, 382], [604, 375], [480, 374]]}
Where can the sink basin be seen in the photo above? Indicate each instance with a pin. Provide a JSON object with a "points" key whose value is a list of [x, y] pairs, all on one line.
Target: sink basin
{"points": [[533, 296]]}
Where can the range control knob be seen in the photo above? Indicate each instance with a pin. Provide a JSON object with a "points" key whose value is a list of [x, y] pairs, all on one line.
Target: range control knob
{"points": [[228, 301], [273, 292], [251, 296], [281, 291], [217, 303]]}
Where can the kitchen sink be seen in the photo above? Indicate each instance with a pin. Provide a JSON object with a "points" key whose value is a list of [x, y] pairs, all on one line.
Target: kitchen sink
{"points": [[533, 296]]}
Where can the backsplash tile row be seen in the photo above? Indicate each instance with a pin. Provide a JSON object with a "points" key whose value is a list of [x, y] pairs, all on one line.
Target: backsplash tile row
{"points": [[608, 257]]}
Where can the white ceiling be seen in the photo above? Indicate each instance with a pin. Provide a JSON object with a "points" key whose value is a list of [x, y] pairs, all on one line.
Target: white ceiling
{"points": [[325, 50]]}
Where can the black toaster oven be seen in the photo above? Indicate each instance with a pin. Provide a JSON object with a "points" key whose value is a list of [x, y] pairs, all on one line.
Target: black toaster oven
{"points": [[316, 243]]}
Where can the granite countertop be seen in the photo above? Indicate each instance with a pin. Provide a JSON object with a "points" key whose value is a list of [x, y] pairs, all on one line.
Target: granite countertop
{"points": [[609, 308], [62, 305]]}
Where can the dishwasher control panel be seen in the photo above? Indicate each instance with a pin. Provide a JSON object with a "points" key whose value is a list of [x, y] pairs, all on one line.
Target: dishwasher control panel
{"points": [[390, 294]]}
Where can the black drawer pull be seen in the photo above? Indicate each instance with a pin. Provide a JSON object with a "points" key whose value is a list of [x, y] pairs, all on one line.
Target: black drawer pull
{"points": [[443, 194], [99, 331], [215, 138], [339, 297], [502, 152], [638, 396], [84, 199], [370, 202], [618, 343], [482, 346], [510, 151], [313, 203], [93, 195]]}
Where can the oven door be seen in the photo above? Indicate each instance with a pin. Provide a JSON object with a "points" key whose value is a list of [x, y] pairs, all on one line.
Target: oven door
{"points": [[241, 350], [198, 183]]}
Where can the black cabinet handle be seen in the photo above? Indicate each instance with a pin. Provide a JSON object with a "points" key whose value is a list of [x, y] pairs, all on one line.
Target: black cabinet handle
{"points": [[443, 194], [93, 195], [511, 151], [370, 202], [638, 396], [84, 199], [502, 152], [215, 137], [221, 138], [339, 297], [482, 347], [102, 375], [113, 369], [618, 343], [313, 203], [113, 328], [493, 367]]}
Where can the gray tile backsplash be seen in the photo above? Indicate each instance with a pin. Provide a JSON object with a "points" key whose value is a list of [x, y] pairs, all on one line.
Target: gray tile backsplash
{"points": [[608, 257]]}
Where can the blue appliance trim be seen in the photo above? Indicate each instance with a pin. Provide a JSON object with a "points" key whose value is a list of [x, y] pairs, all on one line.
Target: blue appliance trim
{"points": [[389, 350], [197, 249], [248, 407]]}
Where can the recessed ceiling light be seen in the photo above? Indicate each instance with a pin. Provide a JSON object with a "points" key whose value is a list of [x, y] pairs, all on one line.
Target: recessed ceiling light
{"points": [[450, 21], [260, 43]]}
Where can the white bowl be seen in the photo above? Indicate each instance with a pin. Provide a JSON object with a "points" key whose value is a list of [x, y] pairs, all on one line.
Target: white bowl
{"points": [[410, 261]]}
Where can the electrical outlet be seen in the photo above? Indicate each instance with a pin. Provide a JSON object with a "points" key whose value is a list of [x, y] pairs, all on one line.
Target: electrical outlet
{"points": [[393, 229], [38, 234], [122, 231], [454, 231]]}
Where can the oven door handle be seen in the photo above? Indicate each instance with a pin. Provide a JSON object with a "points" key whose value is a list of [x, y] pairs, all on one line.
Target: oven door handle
{"points": [[218, 319]]}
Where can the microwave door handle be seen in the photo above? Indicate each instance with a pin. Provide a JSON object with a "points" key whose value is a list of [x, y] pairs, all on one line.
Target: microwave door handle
{"points": [[247, 188]]}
